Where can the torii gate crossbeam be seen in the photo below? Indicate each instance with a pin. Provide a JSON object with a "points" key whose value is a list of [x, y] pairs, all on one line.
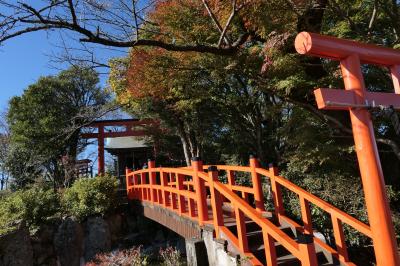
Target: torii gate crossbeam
{"points": [[101, 134]]}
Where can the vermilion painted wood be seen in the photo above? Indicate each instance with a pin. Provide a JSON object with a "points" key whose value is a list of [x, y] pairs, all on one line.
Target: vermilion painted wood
{"points": [[351, 55], [306, 215], [270, 250], [304, 252], [339, 238], [216, 202], [200, 189], [308, 43], [182, 203], [114, 134], [231, 178], [334, 99], [129, 125], [256, 180], [241, 230], [152, 176], [276, 192]]}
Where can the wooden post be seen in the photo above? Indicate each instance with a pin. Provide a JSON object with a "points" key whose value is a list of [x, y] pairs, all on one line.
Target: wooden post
{"points": [[257, 184], [216, 200], [100, 140], [174, 196], [143, 182], [231, 178], [200, 190], [276, 193], [152, 180], [339, 238], [181, 199], [164, 182], [241, 230], [307, 249], [269, 248], [306, 215]]}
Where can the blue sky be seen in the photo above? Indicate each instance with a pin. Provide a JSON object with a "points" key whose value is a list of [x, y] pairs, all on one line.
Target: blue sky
{"points": [[22, 61], [25, 58]]}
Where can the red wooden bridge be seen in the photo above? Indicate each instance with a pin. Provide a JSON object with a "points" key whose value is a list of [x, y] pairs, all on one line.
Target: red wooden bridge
{"points": [[236, 213]]}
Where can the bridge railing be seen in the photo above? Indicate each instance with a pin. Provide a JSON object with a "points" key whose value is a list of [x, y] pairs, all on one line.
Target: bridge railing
{"points": [[189, 191], [306, 200]]}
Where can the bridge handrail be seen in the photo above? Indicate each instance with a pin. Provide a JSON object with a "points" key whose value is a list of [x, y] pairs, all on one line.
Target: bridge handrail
{"points": [[338, 216], [181, 187], [255, 216], [329, 208], [267, 226]]}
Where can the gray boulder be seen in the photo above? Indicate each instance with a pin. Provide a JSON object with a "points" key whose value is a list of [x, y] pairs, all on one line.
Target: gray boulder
{"points": [[115, 226], [43, 246], [16, 248], [97, 237], [68, 242]]}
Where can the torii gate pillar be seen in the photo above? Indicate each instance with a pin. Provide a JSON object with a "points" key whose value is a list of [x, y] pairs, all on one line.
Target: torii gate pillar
{"points": [[356, 99], [100, 154]]}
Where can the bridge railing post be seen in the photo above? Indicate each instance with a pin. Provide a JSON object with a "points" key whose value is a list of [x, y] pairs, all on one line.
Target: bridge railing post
{"points": [[152, 180], [181, 198], [257, 184], [340, 241], [142, 189], [216, 200], [307, 249], [174, 196], [200, 190], [276, 192], [165, 193]]}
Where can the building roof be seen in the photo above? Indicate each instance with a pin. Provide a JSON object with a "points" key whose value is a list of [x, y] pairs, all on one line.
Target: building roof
{"points": [[124, 143]]}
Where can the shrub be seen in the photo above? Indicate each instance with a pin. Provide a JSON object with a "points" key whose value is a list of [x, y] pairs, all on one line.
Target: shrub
{"points": [[34, 205], [86, 197], [132, 257], [170, 256]]}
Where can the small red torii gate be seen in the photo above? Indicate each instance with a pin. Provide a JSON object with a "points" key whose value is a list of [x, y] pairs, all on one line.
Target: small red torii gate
{"points": [[357, 100], [130, 130]]}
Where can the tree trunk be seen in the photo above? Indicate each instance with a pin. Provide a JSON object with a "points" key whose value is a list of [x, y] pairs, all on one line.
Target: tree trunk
{"points": [[185, 147], [184, 141]]}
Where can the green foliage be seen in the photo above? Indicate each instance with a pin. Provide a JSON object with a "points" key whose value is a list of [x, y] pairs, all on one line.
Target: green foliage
{"points": [[34, 205], [86, 197], [45, 123]]}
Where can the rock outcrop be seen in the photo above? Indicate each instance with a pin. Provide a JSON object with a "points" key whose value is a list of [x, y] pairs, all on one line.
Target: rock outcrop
{"points": [[115, 226], [16, 248], [68, 243], [97, 237], [43, 247]]}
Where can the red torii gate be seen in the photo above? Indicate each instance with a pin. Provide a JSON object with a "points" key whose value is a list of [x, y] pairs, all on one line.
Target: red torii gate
{"points": [[129, 131], [356, 99]]}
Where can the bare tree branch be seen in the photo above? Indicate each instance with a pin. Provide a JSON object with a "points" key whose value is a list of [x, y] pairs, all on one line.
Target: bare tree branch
{"points": [[373, 17], [105, 27], [216, 22], [72, 9]]}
